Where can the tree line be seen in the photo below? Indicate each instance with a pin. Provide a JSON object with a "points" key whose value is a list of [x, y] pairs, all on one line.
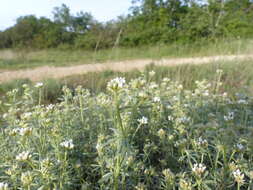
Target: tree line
{"points": [[148, 22]]}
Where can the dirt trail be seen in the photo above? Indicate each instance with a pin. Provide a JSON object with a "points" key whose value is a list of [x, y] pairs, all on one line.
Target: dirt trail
{"points": [[41, 73]]}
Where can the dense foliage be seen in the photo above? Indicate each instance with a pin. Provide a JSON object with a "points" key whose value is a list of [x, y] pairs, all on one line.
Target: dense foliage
{"points": [[139, 135], [148, 22]]}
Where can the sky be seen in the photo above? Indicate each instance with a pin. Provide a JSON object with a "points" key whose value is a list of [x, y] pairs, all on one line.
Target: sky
{"points": [[102, 10]]}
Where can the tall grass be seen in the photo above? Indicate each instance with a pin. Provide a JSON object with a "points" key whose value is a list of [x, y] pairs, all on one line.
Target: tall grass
{"points": [[10, 59], [237, 77]]}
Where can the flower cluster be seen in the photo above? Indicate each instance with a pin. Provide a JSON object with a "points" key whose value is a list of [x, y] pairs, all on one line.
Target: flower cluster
{"points": [[23, 156], [239, 176], [198, 169], [116, 84], [67, 144], [4, 186], [143, 120]]}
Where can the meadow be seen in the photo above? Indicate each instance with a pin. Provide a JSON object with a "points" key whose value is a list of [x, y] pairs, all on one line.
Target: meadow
{"points": [[181, 127], [14, 59]]}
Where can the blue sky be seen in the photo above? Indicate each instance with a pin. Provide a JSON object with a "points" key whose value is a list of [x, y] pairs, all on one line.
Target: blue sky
{"points": [[102, 10]]}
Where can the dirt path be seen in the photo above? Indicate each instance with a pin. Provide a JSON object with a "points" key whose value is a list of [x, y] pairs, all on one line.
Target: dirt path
{"points": [[41, 73]]}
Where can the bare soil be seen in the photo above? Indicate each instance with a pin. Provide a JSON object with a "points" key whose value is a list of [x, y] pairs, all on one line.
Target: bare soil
{"points": [[41, 73]]}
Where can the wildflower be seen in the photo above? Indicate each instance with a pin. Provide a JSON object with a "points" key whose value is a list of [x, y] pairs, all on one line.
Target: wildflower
{"points": [[26, 115], [4, 186], [25, 131], [142, 95], [24, 85], [130, 160], [67, 144], [140, 186], [99, 148], [152, 73], [169, 176], [38, 85], [143, 120], [184, 185], [46, 163], [161, 133], [153, 85], [170, 118], [171, 137], [116, 84], [219, 71], [250, 174], [156, 99], [23, 156], [50, 107], [26, 178], [239, 177], [202, 142], [14, 132], [5, 115], [166, 79], [239, 146], [229, 117], [206, 93], [241, 101], [198, 169], [232, 166], [183, 119]]}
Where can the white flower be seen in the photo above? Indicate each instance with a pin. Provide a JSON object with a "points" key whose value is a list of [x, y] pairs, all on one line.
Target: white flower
{"points": [[24, 85], [14, 132], [199, 169], [170, 118], [219, 71], [202, 142], [239, 146], [239, 176], [156, 99], [143, 120], [229, 117], [50, 107], [23, 156], [67, 144], [206, 93], [166, 80], [5, 115], [38, 85], [116, 84], [4, 186], [152, 73], [241, 101], [25, 131], [153, 85], [184, 119], [26, 178], [26, 115], [161, 133]]}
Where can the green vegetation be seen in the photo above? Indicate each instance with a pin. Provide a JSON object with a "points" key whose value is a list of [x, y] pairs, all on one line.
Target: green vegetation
{"points": [[148, 22], [237, 77], [139, 135], [19, 59], [182, 127]]}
